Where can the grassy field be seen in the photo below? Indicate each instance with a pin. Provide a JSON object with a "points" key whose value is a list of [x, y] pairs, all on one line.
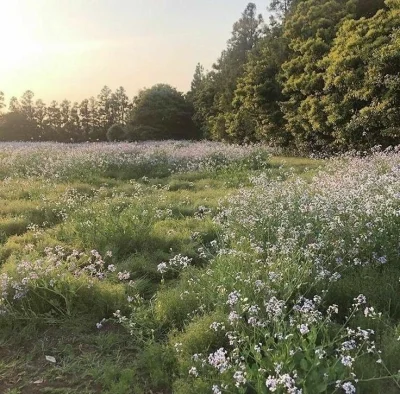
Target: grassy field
{"points": [[197, 268]]}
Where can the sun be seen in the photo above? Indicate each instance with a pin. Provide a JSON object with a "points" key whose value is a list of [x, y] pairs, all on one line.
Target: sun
{"points": [[19, 44]]}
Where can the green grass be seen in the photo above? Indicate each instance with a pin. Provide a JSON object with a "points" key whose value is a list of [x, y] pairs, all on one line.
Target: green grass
{"points": [[104, 213], [147, 221]]}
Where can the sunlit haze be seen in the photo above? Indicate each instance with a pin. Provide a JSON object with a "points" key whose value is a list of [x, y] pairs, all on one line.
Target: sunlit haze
{"points": [[71, 48]]}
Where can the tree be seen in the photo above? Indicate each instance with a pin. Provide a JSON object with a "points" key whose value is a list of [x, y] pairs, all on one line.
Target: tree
{"points": [[40, 113], [96, 128], [27, 105], [259, 92], [2, 101], [215, 91], [198, 79], [161, 112], [120, 105], [72, 128], [65, 108], [84, 116], [14, 105], [105, 113], [368, 8], [15, 126], [281, 8], [54, 118], [362, 85], [310, 30], [116, 133]]}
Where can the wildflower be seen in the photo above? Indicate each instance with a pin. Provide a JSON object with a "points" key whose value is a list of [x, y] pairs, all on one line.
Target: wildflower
{"points": [[162, 268], [178, 347], [233, 317], [347, 361], [219, 360], [274, 307], [240, 378], [304, 329], [348, 388], [382, 260], [233, 298], [271, 383], [193, 372], [349, 345], [217, 326], [100, 324], [124, 275], [215, 389], [361, 299]]}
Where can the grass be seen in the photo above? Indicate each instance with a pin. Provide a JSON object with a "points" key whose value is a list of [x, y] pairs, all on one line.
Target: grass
{"points": [[198, 277], [142, 222]]}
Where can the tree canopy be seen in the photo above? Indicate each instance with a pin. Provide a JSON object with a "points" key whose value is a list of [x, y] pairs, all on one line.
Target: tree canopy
{"points": [[161, 112], [321, 75]]}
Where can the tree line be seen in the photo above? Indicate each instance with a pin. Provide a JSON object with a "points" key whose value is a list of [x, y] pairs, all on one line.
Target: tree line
{"points": [[319, 75], [157, 113]]}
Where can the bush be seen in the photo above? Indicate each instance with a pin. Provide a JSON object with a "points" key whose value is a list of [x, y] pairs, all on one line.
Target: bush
{"points": [[162, 112], [115, 133]]}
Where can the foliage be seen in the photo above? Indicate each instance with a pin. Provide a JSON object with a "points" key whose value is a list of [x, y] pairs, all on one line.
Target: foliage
{"points": [[28, 120], [212, 94], [283, 87], [115, 133], [15, 126], [259, 92], [362, 81], [58, 294], [159, 113], [310, 31], [231, 273]]}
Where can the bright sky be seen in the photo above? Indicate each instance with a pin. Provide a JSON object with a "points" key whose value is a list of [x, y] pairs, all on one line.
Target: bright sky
{"points": [[72, 48]]}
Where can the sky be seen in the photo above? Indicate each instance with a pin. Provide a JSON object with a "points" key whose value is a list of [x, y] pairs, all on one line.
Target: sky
{"points": [[72, 48]]}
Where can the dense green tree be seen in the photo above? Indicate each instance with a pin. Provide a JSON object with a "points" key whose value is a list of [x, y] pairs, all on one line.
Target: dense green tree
{"points": [[259, 91], [72, 129], [310, 30], [96, 127], [198, 79], [323, 74], [362, 82], [65, 108], [202, 96], [14, 105], [281, 8], [40, 114], [54, 118], [106, 112], [213, 94], [161, 112], [84, 116], [27, 105], [116, 133], [15, 126], [120, 105], [368, 8]]}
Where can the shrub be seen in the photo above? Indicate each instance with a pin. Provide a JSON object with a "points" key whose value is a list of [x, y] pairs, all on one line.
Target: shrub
{"points": [[115, 133]]}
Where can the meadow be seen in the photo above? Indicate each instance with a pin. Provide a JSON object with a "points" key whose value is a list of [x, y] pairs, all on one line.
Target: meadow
{"points": [[179, 267]]}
